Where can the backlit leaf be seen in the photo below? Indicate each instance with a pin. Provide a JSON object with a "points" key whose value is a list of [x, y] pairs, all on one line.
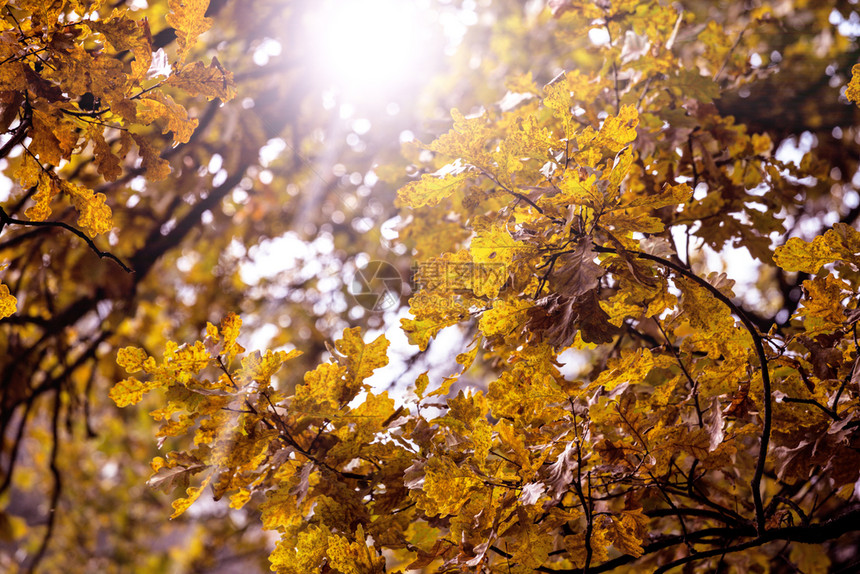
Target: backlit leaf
{"points": [[8, 302], [94, 216], [211, 81], [157, 106], [842, 242], [129, 391], [431, 189], [360, 359], [180, 505], [189, 20], [108, 163], [852, 92], [157, 168], [47, 190]]}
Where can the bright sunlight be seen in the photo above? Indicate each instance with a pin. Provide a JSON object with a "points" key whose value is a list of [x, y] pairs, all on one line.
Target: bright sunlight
{"points": [[372, 48]]}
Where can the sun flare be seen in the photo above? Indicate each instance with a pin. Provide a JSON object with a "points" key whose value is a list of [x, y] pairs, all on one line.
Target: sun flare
{"points": [[373, 47]]}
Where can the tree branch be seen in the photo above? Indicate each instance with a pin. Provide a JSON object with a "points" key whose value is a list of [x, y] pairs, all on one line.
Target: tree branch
{"points": [[5, 218], [808, 534], [58, 485], [755, 483]]}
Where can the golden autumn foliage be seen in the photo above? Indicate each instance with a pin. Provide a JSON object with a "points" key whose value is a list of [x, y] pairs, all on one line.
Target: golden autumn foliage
{"points": [[629, 342]]}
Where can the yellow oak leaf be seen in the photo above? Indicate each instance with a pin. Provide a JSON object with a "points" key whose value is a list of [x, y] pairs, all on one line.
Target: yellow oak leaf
{"points": [[191, 359], [852, 92], [46, 191], [492, 249], [466, 411], [420, 331], [447, 487], [444, 388], [180, 505], [230, 326], [302, 554], [671, 195], [260, 368], [618, 131], [619, 307], [505, 317], [628, 531], [189, 19], [558, 99], [360, 360], [159, 106], [281, 509], [240, 498], [433, 312], [94, 217], [625, 223], [466, 140], [212, 332], [8, 302], [762, 144], [321, 390], [44, 13], [631, 368], [581, 189], [702, 309], [130, 391], [822, 308], [369, 415], [577, 550], [528, 138], [28, 171], [124, 33], [431, 189], [54, 139], [13, 78], [132, 359], [803, 256], [354, 557], [620, 168], [449, 273], [156, 167], [493, 244], [840, 243], [531, 549], [421, 384], [107, 163], [211, 81], [466, 359]]}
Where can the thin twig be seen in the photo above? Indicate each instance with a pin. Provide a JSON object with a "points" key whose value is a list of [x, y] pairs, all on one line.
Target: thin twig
{"points": [[694, 385], [729, 55], [20, 134], [518, 195], [5, 218], [586, 506], [813, 402], [848, 377], [708, 554], [58, 485]]}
